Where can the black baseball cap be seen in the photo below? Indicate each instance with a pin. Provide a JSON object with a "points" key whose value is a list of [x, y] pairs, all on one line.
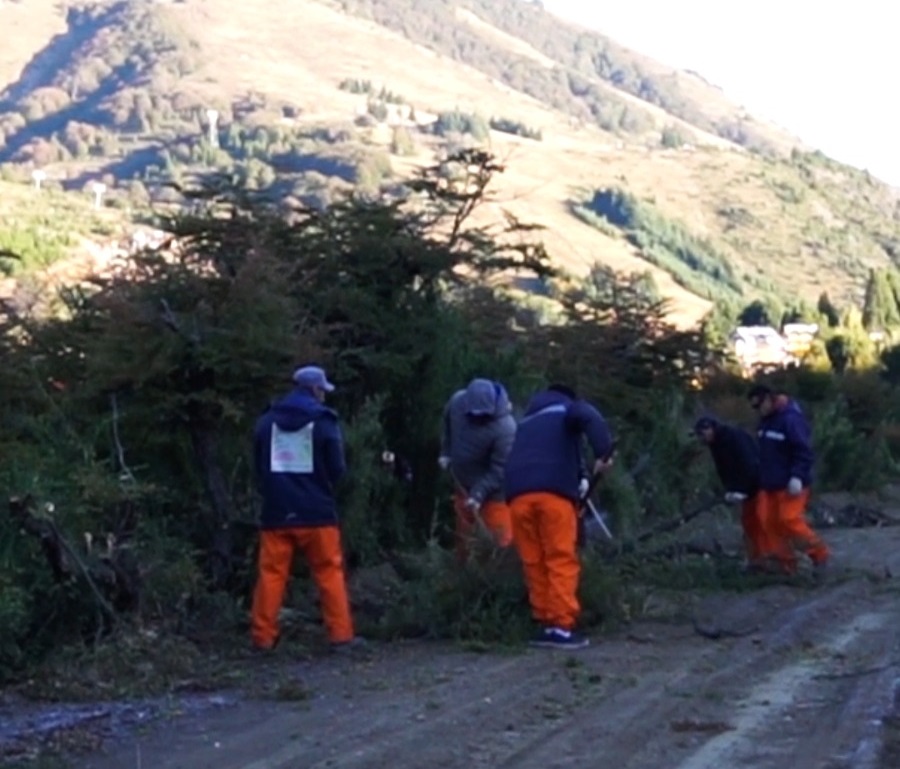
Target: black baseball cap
{"points": [[705, 423]]}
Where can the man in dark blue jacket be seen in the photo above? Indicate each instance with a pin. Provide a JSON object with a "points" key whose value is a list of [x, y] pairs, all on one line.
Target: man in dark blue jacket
{"points": [[299, 458], [736, 457], [543, 486], [785, 474]]}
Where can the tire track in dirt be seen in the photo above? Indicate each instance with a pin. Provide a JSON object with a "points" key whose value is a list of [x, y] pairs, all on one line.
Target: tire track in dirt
{"points": [[806, 690], [536, 717], [747, 700]]}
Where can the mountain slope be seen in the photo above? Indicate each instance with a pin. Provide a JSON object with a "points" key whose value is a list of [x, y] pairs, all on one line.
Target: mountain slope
{"points": [[315, 97]]}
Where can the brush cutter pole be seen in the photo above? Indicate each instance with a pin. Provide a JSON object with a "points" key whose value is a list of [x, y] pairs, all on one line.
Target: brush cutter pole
{"points": [[599, 519], [585, 504]]}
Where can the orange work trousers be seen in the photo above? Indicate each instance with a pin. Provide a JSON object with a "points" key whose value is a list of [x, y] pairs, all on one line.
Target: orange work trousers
{"points": [[759, 542], [496, 519], [545, 530], [321, 546], [783, 518]]}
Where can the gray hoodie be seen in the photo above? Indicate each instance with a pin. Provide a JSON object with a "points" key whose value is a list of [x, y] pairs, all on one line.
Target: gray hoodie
{"points": [[477, 435]]}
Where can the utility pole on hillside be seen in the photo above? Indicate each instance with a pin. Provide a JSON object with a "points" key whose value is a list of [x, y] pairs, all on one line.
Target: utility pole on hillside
{"points": [[98, 188], [213, 117]]}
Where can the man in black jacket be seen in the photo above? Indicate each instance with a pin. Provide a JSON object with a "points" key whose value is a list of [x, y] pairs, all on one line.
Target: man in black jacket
{"points": [[736, 458]]}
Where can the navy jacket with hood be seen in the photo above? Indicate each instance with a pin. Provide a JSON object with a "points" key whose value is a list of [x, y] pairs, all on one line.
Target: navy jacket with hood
{"points": [[785, 446], [299, 457], [736, 457], [546, 452]]}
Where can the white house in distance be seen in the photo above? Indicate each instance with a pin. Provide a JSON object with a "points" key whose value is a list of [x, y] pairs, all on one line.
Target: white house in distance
{"points": [[758, 346], [799, 337], [762, 347]]}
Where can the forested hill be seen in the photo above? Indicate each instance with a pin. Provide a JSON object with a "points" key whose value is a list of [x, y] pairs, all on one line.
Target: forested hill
{"points": [[622, 160]]}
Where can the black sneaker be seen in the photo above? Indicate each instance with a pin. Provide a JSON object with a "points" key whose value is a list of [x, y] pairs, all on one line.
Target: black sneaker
{"points": [[257, 650], [557, 638], [355, 644]]}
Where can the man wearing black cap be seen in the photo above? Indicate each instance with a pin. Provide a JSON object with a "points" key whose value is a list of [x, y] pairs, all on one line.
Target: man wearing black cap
{"points": [[785, 473], [737, 464]]}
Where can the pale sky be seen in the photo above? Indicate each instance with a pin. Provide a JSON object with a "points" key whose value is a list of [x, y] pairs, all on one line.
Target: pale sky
{"points": [[826, 71]]}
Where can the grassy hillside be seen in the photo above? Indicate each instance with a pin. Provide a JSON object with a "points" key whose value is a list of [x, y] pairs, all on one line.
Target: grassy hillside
{"points": [[317, 97], [43, 226]]}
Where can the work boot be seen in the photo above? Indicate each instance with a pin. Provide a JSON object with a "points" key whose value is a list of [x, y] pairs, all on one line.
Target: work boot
{"points": [[821, 569], [559, 638], [264, 650], [353, 646]]}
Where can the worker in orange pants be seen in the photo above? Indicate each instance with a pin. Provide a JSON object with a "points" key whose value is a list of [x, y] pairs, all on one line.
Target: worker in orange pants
{"points": [[736, 458], [476, 435], [299, 457], [493, 514], [783, 517], [543, 488], [759, 544], [546, 528], [321, 546], [786, 460]]}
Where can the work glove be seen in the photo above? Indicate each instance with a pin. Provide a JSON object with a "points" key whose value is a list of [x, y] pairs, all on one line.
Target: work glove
{"points": [[603, 465], [794, 487], [583, 485], [443, 462], [473, 504], [732, 497]]}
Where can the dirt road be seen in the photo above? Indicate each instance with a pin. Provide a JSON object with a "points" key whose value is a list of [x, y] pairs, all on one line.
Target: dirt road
{"points": [[799, 677]]}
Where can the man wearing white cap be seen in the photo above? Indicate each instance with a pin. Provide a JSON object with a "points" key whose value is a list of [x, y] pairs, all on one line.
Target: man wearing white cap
{"points": [[299, 458]]}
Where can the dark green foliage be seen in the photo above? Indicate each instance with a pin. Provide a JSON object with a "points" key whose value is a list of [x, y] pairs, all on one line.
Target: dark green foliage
{"points": [[160, 368], [881, 306], [121, 42], [890, 361], [754, 314], [132, 411], [673, 138], [457, 122], [355, 85], [516, 127], [37, 246], [847, 457], [839, 354], [693, 262], [828, 310]]}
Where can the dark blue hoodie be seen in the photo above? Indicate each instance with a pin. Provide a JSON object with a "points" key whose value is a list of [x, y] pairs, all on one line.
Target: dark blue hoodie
{"points": [[299, 457], [546, 452], [785, 446]]}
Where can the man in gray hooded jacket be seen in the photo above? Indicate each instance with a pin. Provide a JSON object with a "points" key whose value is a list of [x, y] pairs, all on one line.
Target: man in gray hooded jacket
{"points": [[477, 435]]}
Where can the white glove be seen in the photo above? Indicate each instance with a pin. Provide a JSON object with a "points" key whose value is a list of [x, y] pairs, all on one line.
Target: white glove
{"points": [[443, 462], [734, 496], [794, 487], [583, 486], [473, 504]]}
